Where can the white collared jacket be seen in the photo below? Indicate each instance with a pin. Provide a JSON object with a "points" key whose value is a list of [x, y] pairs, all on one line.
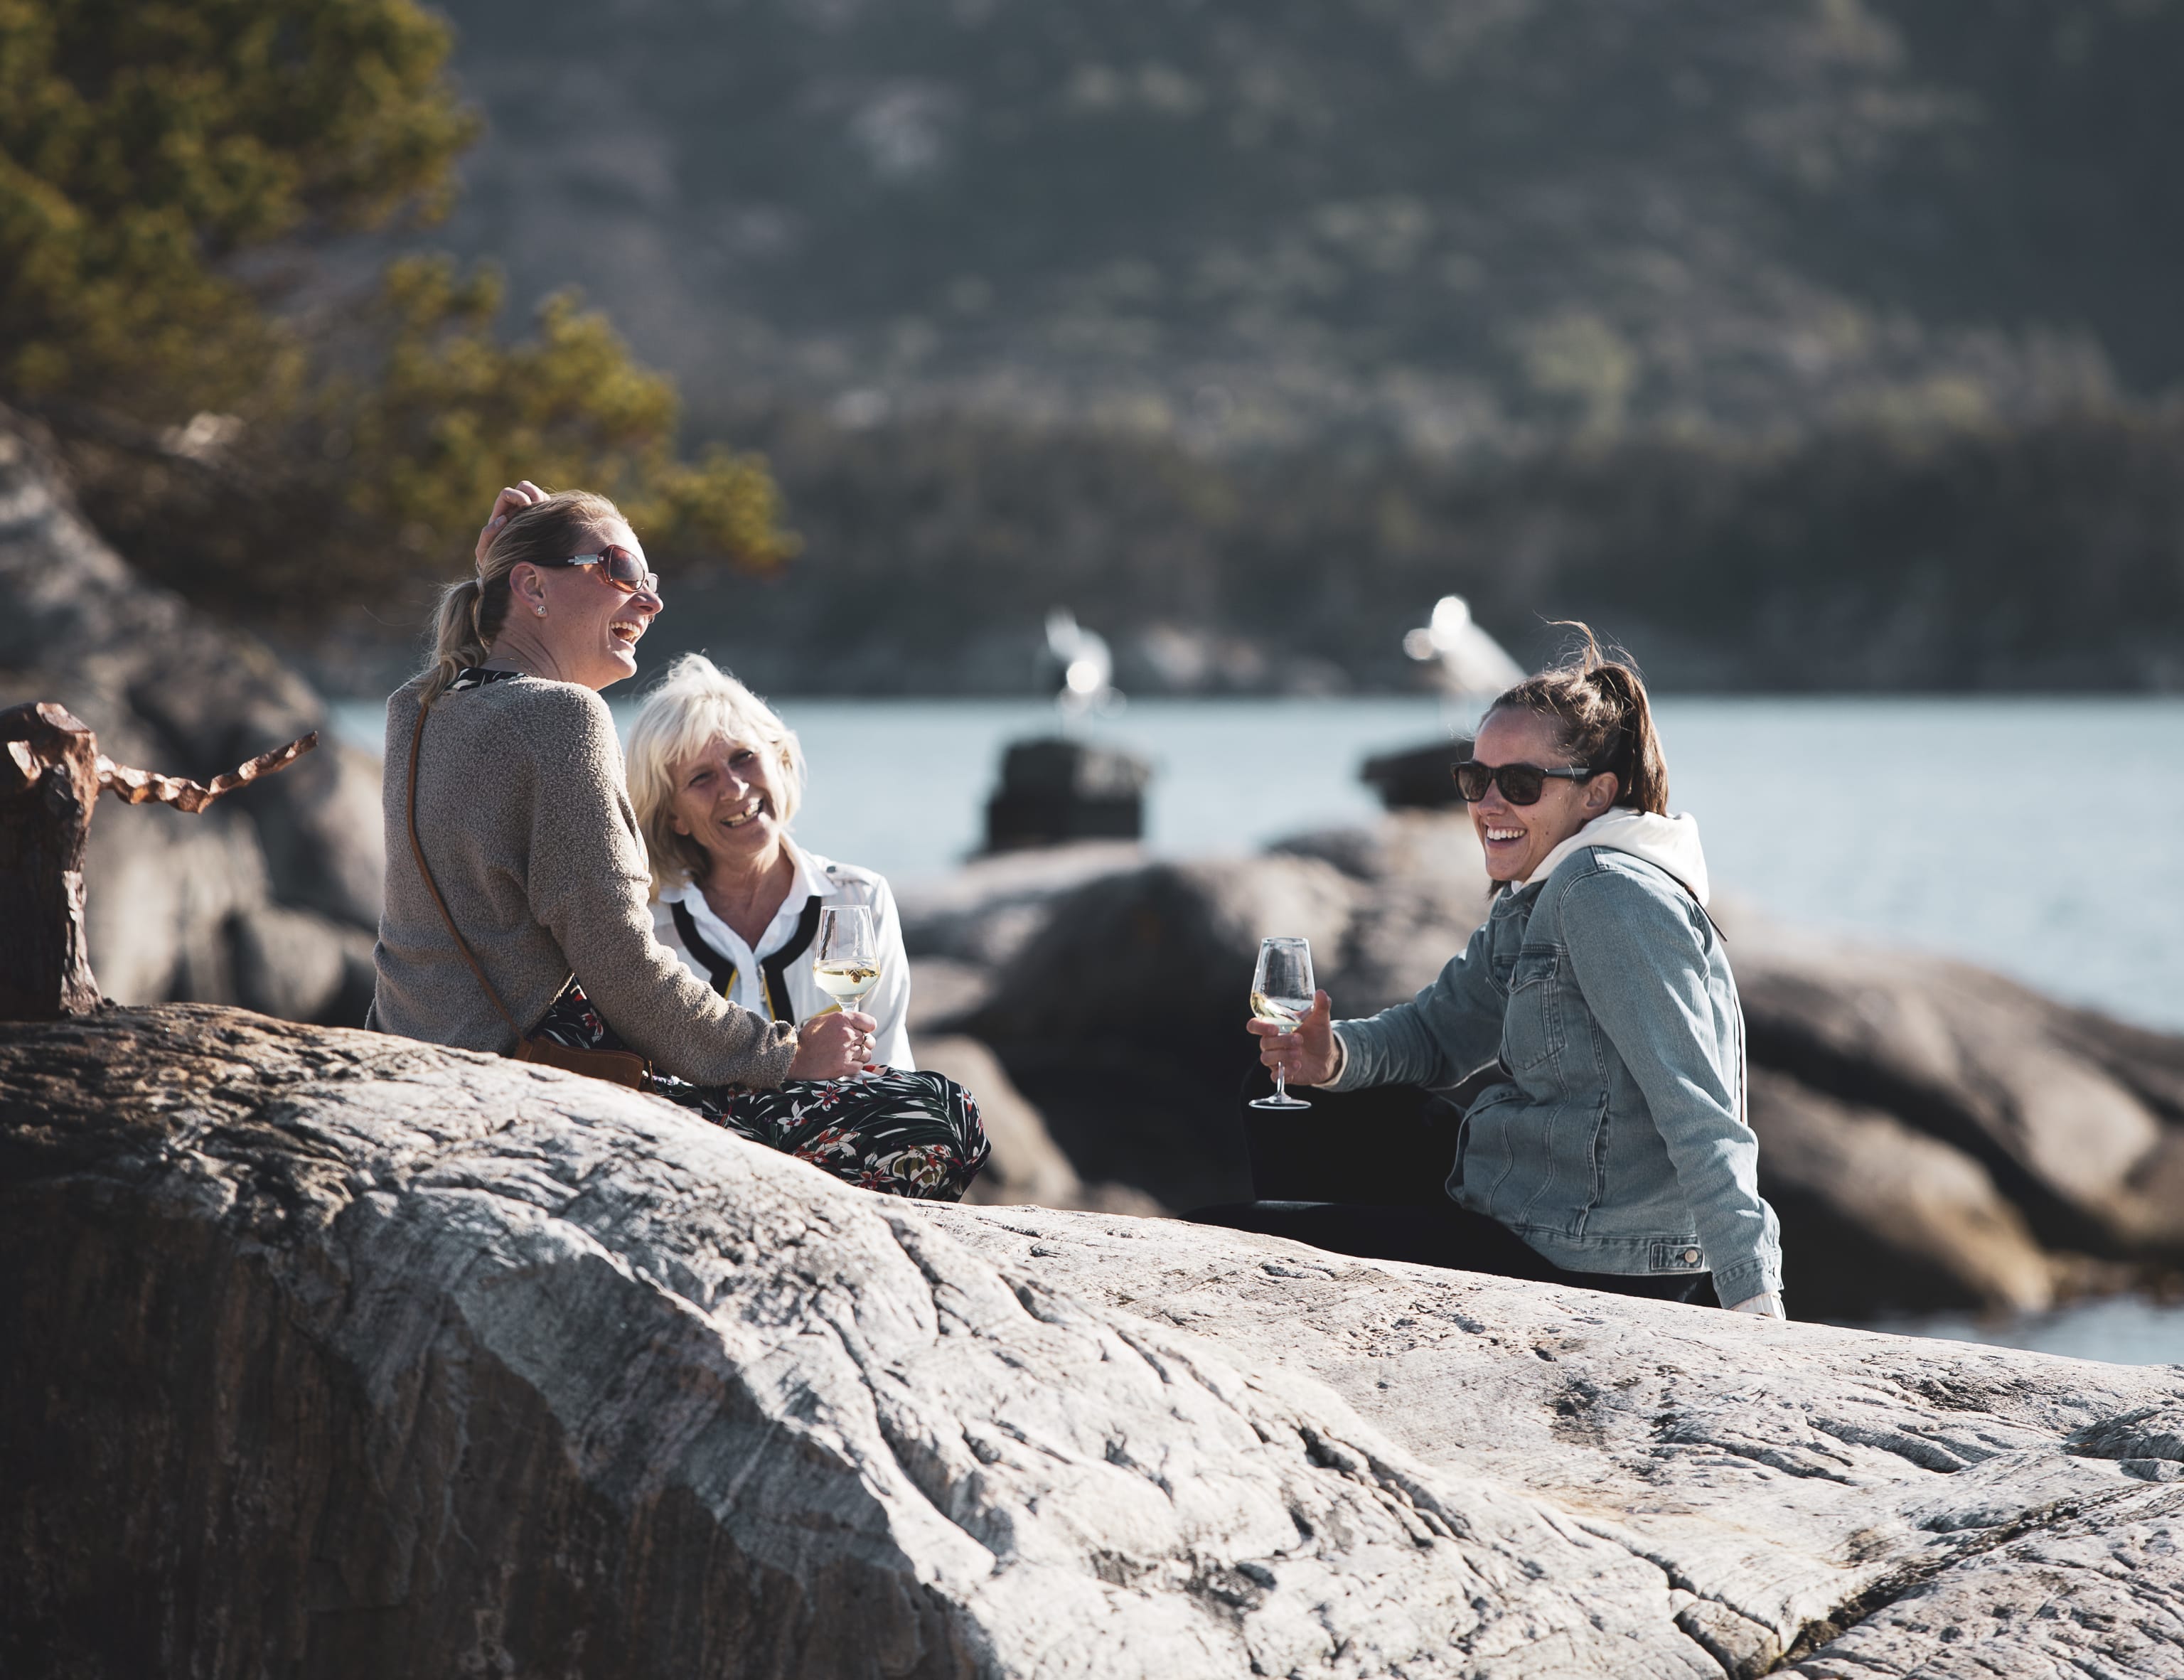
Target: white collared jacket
{"points": [[775, 979]]}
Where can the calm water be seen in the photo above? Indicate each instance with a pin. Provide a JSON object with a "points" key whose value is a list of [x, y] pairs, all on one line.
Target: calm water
{"points": [[2124, 1330], [2036, 836]]}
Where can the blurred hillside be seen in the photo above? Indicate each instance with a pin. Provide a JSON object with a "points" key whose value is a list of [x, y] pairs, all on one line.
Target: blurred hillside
{"points": [[1821, 342], [2047, 555], [1443, 221]]}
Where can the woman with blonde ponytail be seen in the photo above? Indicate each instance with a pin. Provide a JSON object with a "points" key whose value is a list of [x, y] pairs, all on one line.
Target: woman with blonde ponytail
{"points": [[1593, 1022], [518, 915]]}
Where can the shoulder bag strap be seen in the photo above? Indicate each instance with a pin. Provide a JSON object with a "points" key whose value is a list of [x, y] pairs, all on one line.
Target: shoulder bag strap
{"points": [[417, 851]]}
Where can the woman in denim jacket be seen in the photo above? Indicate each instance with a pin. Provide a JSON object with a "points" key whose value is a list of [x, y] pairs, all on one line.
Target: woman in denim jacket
{"points": [[1611, 1149]]}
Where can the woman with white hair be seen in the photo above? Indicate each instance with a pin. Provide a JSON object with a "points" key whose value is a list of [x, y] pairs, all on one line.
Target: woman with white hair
{"points": [[716, 776]]}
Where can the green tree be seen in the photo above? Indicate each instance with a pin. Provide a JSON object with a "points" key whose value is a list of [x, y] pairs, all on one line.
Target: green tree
{"points": [[165, 171]]}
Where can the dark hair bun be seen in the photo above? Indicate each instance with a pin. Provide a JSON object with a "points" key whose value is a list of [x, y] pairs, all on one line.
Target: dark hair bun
{"points": [[1604, 717]]}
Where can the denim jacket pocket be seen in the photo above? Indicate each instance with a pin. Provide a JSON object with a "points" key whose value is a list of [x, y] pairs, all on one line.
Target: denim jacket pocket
{"points": [[1675, 1257], [1532, 1030]]}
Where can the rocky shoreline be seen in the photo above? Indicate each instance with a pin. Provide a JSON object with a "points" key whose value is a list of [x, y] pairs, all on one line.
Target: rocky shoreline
{"points": [[336, 1354], [1935, 1137]]}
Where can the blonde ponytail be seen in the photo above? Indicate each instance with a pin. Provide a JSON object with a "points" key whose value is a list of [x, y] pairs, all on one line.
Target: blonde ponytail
{"points": [[471, 613], [456, 641]]}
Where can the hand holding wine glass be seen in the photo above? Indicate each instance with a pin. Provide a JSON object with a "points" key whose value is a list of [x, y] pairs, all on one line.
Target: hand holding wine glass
{"points": [[1283, 998], [845, 960], [1305, 1054], [835, 1046]]}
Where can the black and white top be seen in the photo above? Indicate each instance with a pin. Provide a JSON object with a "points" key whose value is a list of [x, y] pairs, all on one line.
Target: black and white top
{"points": [[476, 676], [774, 977]]}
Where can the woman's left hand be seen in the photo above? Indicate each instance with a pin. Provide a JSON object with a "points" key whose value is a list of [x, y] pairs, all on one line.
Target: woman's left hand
{"points": [[1306, 1055], [517, 496]]}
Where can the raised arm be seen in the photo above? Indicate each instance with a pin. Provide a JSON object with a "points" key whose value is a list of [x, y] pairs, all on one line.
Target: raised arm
{"points": [[1444, 1033], [589, 887]]}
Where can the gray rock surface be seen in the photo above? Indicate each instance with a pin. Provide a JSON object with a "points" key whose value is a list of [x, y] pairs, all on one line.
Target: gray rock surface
{"points": [[271, 899], [336, 1354], [982, 914], [1858, 1504], [1151, 958], [1120, 1015]]}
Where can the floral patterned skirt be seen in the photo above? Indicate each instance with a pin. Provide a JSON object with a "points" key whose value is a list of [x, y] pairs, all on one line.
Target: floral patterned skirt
{"points": [[902, 1133]]}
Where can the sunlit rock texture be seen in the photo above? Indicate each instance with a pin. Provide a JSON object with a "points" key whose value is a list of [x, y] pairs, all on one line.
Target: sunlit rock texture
{"points": [[332, 1354]]}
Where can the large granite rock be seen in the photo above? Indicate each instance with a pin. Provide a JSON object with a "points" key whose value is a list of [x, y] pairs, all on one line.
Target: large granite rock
{"points": [[981, 914], [271, 898], [1881, 1216], [335, 1355], [1822, 1502]]}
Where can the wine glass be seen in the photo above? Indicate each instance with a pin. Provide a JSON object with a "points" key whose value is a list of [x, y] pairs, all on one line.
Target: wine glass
{"points": [[845, 958], [1282, 993]]}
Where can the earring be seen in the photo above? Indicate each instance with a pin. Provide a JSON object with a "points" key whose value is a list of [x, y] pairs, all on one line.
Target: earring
{"points": [[541, 612]]}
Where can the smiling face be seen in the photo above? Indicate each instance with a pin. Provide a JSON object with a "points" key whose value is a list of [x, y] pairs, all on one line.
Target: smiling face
{"points": [[590, 629], [728, 798], [1517, 838]]}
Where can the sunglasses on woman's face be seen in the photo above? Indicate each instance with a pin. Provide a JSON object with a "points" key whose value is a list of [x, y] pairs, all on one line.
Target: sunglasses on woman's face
{"points": [[1520, 783], [621, 567]]}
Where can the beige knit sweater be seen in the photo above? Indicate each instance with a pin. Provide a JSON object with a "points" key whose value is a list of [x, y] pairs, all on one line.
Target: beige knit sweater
{"points": [[528, 830]]}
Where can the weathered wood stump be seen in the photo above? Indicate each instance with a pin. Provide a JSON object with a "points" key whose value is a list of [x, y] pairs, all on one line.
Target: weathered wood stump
{"points": [[48, 783], [51, 776]]}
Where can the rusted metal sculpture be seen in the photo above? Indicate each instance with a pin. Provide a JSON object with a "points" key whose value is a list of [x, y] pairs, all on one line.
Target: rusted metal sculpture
{"points": [[50, 775]]}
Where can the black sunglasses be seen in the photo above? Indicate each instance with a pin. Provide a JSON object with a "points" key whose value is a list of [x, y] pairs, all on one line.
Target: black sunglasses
{"points": [[621, 567], [1521, 783]]}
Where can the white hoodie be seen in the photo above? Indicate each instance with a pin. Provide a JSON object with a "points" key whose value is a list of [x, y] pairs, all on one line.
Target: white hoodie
{"points": [[1669, 843]]}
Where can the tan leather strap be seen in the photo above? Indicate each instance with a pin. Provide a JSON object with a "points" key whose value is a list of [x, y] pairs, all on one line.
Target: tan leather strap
{"points": [[417, 851]]}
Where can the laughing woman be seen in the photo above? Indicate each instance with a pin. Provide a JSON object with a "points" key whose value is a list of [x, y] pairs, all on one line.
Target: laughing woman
{"points": [[1608, 1147], [517, 915], [716, 776]]}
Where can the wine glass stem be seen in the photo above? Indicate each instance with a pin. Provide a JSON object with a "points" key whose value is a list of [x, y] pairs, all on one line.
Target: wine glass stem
{"points": [[1281, 1079]]}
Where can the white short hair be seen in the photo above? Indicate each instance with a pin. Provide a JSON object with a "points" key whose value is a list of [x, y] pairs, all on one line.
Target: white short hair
{"points": [[695, 703]]}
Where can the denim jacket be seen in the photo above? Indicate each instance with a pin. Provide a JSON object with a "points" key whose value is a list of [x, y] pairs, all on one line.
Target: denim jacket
{"points": [[1617, 1141]]}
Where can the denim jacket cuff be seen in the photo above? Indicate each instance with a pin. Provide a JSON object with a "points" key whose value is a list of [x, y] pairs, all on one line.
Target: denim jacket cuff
{"points": [[1746, 1279], [1342, 1060]]}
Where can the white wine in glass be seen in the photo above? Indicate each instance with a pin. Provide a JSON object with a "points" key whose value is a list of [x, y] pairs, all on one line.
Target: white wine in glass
{"points": [[1282, 993], [845, 958]]}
